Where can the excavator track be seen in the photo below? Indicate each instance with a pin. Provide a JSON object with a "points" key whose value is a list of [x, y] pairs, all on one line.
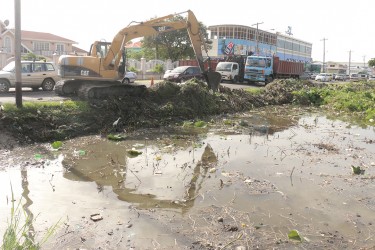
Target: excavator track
{"points": [[91, 91], [67, 87], [88, 90]]}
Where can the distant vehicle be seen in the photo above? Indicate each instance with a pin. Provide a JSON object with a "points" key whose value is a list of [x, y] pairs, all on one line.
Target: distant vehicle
{"points": [[305, 76], [265, 69], [129, 77], [33, 75], [354, 77], [362, 77], [371, 78], [323, 77], [229, 71], [313, 75], [183, 73], [340, 77]]}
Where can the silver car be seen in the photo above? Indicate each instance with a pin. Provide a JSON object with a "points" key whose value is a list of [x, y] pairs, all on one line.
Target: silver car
{"points": [[33, 75], [323, 77], [130, 77]]}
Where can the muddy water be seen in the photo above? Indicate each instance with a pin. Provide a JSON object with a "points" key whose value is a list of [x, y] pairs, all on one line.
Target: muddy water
{"points": [[283, 169]]}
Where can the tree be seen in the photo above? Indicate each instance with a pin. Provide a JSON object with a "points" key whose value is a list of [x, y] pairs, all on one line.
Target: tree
{"points": [[32, 57], [174, 45], [371, 62]]}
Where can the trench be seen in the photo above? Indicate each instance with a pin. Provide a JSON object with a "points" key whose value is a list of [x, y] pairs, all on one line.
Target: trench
{"points": [[263, 172]]}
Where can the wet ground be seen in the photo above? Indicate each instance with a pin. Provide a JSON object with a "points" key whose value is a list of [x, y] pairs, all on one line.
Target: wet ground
{"points": [[242, 181]]}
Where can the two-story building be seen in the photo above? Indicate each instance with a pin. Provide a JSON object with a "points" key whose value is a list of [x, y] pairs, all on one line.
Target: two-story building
{"points": [[38, 43]]}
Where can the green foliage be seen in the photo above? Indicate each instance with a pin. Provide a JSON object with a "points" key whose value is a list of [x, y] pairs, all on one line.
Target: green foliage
{"points": [[113, 137], [174, 45], [255, 90], [357, 98], [133, 152], [33, 57], [19, 234], [57, 144], [50, 105], [371, 62], [294, 235], [357, 170], [200, 124], [133, 69], [159, 68], [136, 55]]}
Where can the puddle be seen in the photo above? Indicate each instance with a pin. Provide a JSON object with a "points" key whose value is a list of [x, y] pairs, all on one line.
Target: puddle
{"points": [[272, 170]]}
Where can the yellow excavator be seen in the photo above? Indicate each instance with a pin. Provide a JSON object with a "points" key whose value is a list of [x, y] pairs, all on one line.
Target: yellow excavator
{"points": [[99, 74]]}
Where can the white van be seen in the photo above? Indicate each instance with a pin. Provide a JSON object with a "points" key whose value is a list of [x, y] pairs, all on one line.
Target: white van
{"points": [[229, 71]]}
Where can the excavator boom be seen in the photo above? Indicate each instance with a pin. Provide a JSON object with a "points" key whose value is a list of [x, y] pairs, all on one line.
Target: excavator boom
{"points": [[104, 66]]}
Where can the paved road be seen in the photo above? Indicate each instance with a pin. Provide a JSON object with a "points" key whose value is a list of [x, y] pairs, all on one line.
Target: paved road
{"points": [[29, 95]]}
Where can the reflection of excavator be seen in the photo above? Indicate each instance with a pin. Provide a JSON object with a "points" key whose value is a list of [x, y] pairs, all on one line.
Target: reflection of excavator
{"points": [[99, 74]]}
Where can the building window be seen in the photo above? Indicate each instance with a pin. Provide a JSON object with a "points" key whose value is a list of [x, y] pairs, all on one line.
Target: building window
{"points": [[24, 50], [41, 46], [60, 47], [7, 45]]}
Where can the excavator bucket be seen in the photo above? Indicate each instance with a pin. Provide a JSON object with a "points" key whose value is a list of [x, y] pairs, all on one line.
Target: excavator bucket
{"points": [[213, 80]]}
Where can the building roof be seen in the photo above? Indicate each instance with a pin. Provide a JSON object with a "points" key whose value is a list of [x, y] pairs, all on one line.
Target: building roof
{"points": [[42, 36], [79, 50], [134, 45]]}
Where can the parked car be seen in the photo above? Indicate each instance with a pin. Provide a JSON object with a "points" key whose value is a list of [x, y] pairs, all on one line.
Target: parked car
{"points": [[183, 73], [313, 75], [371, 78], [34, 75], [354, 77], [323, 77], [304, 76], [340, 77], [362, 77], [130, 77]]}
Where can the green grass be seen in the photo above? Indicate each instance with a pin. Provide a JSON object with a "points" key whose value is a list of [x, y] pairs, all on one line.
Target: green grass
{"points": [[355, 98], [50, 105], [18, 234]]}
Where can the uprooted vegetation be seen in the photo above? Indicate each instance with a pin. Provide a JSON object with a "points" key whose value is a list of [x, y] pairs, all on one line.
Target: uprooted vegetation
{"points": [[169, 103]]}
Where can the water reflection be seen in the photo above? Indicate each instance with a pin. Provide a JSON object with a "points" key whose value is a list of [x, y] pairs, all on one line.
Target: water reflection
{"points": [[150, 180], [26, 206]]}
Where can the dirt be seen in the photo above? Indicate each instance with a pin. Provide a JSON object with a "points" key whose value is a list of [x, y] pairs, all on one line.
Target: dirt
{"points": [[184, 224]]}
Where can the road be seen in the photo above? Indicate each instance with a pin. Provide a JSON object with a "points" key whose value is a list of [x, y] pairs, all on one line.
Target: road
{"points": [[29, 95]]}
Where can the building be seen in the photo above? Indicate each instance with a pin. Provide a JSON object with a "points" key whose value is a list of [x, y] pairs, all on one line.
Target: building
{"points": [[232, 39], [38, 43], [343, 68]]}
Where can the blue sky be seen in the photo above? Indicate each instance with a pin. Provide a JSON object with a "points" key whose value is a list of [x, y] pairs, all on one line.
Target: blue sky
{"points": [[347, 26]]}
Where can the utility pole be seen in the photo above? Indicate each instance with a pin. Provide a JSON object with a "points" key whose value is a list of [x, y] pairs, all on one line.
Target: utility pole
{"points": [[17, 51], [324, 53], [256, 38], [350, 59]]}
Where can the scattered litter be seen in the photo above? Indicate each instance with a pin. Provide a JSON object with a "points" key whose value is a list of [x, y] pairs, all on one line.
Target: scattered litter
{"points": [[96, 217], [212, 170], [38, 156], [57, 144]]}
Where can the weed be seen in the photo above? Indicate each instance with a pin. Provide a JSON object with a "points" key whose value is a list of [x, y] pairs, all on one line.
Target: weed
{"points": [[19, 234]]}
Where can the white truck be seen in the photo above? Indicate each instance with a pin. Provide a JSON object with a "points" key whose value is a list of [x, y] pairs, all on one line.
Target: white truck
{"points": [[229, 71]]}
